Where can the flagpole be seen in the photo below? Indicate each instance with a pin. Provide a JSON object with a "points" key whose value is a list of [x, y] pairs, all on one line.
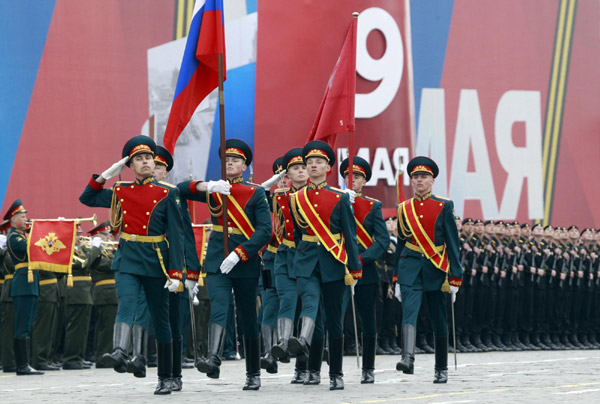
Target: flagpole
{"points": [[351, 145], [222, 153]]}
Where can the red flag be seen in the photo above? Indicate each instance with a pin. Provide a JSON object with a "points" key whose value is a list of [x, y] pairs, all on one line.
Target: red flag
{"points": [[336, 113], [198, 76], [201, 240], [51, 245]]}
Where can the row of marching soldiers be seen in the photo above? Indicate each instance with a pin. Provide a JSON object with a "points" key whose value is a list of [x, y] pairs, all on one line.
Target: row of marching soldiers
{"points": [[314, 248], [527, 287]]}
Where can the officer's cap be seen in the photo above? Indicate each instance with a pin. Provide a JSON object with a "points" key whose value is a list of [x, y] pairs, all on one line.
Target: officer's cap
{"points": [[467, 220], [238, 148], [318, 148], [573, 227], [16, 207], [278, 165], [163, 157], [422, 165], [361, 166], [103, 227], [138, 145], [292, 157], [524, 225]]}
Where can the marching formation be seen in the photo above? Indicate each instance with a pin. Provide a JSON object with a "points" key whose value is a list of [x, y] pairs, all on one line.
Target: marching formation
{"points": [[332, 275]]}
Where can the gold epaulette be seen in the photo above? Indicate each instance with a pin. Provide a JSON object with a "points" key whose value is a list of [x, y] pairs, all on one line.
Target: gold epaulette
{"points": [[167, 184], [122, 183], [441, 197], [252, 183], [337, 189], [281, 190], [371, 199]]}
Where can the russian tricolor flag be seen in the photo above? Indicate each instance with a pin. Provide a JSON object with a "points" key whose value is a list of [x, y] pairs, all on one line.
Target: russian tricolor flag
{"points": [[199, 74]]}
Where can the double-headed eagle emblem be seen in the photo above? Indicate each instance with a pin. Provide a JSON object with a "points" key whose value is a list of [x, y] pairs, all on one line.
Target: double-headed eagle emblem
{"points": [[50, 244]]}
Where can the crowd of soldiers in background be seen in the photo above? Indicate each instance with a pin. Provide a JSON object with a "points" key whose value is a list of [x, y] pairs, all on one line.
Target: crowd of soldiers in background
{"points": [[525, 288]]}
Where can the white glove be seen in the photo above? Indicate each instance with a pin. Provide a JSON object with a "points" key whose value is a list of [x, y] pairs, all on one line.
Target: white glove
{"points": [[2, 241], [397, 294], [191, 285], [219, 187], [196, 301], [115, 169], [273, 180], [453, 292], [229, 262], [96, 242], [351, 194], [172, 285]]}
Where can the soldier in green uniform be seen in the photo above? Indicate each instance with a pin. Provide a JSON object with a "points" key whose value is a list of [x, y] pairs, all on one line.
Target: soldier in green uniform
{"points": [[7, 325], [104, 293], [24, 288], [150, 249], [163, 164], [268, 292], [249, 229], [45, 323], [428, 263], [78, 307], [373, 240], [326, 232]]}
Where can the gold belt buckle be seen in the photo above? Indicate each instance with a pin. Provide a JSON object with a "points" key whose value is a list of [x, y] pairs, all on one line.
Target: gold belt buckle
{"points": [[134, 237]]}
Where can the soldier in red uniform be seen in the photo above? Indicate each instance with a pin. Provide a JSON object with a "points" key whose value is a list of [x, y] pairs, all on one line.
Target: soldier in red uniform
{"points": [[428, 263]]}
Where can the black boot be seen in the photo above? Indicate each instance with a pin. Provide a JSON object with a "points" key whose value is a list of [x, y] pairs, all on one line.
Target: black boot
{"points": [[151, 357], [368, 359], [315, 360], [300, 346], [424, 345], [384, 347], [394, 348], [137, 365], [476, 339], [22, 360], [252, 349], [285, 327], [525, 342], [118, 358], [409, 335], [466, 341], [176, 382], [268, 361], [300, 372], [441, 360], [336, 357], [216, 341], [165, 363]]}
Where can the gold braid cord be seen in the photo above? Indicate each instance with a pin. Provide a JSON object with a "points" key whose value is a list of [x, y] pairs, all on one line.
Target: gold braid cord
{"points": [[303, 224], [116, 215], [279, 220], [404, 231], [214, 211]]}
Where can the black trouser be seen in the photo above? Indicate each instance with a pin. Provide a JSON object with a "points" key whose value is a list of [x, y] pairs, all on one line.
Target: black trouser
{"points": [[44, 330], [103, 333], [78, 322]]}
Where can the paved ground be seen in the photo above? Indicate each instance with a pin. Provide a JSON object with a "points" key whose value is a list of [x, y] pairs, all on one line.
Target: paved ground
{"points": [[497, 377]]}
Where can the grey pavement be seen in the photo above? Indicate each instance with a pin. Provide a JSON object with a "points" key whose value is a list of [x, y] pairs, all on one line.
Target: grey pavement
{"points": [[495, 377]]}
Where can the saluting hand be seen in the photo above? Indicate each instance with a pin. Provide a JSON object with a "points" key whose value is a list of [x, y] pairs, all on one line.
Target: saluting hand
{"points": [[115, 169], [273, 180]]}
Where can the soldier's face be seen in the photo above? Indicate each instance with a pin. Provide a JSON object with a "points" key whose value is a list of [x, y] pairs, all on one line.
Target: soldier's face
{"points": [[19, 221], [525, 231], [422, 183], [234, 166], [358, 181], [143, 165], [489, 228], [574, 233], [479, 228], [468, 227], [298, 173], [160, 172], [391, 225], [317, 167], [549, 232], [538, 231], [458, 224]]}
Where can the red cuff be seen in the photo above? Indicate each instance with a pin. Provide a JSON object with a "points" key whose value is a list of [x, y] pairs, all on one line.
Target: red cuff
{"points": [[394, 278], [361, 260], [175, 274], [455, 282], [193, 188], [192, 276], [356, 274], [239, 250], [95, 185]]}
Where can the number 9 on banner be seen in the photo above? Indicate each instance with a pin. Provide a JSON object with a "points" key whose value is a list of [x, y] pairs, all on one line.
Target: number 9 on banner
{"points": [[387, 69]]}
